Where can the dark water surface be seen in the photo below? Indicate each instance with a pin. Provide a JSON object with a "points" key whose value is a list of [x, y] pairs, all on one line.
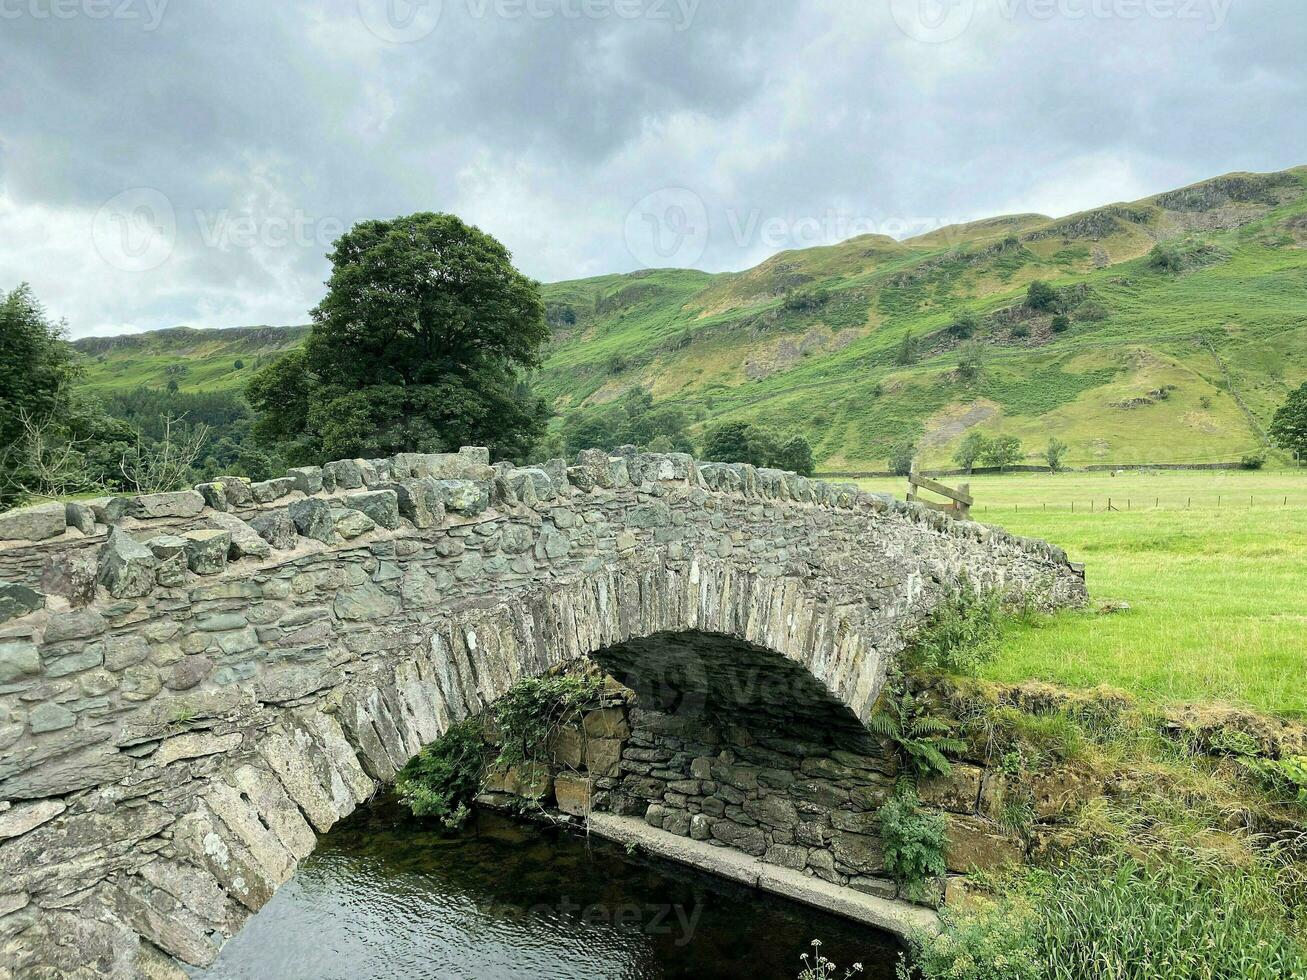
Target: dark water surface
{"points": [[385, 895]]}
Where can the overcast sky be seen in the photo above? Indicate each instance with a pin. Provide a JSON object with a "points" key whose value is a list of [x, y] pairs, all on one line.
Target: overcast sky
{"points": [[169, 162]]}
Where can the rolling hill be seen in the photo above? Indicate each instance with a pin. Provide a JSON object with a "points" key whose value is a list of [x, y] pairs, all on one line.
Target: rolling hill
{"points": [[1172, 354]]}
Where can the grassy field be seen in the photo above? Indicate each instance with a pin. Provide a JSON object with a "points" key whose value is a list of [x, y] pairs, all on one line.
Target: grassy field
{"points": [[1214, 576]]}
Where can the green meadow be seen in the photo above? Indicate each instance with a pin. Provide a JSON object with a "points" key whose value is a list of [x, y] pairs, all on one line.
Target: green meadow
{"points": [[1211, 565]]}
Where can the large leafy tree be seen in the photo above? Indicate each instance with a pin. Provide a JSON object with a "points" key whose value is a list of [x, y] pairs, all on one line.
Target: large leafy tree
{"points": [[1289, 427], [419, 345], [51, 441], [37, 366]]}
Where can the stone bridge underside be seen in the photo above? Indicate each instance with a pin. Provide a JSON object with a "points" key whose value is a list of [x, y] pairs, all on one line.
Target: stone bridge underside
{"points": [[194, 685]]}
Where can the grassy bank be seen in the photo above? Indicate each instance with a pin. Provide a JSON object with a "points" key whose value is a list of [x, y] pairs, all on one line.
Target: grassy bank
{"points": [[1216, 591]]}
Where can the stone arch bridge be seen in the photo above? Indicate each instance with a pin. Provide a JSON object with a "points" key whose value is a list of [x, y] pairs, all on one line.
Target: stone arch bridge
{"points": [[193, 685]]}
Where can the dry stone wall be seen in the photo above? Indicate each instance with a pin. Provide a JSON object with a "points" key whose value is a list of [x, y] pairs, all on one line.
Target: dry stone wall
{"points": [[194, 684]]}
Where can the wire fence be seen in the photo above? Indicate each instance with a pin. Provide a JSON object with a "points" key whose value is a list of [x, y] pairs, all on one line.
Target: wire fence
{"points": [[1113, 504]]}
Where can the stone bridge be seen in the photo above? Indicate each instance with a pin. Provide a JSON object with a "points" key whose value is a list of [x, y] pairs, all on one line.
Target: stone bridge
{"points": [[194, 685]]}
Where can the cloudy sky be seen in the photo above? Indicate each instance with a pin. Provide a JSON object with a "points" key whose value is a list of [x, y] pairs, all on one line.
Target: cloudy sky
{"points": [[170, 162]]}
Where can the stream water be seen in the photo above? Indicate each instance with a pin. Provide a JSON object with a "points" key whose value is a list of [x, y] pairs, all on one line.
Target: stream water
{"points": [[385, 895]]}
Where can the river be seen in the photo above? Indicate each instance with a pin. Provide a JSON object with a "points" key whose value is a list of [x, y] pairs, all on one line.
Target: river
{"points": [[387, 895]]}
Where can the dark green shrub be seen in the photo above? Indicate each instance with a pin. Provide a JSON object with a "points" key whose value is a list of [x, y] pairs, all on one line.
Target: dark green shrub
{"points": [[1041, 296], [964, 325], [1021, 331], [1061, 323], [529, 715], [443, 779], [908, 351], [901, 458]]}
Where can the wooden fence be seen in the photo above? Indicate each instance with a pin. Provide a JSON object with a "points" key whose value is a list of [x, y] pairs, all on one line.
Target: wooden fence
{"points": [[959, 500]]}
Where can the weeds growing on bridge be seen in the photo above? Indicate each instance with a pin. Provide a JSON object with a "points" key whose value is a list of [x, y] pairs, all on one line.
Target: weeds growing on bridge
{"points": [[443, 780], [961, 633]]}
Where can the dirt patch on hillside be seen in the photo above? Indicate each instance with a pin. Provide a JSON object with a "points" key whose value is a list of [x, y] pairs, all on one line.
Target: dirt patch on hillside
{"points": [[945, 426], [786, 352]]}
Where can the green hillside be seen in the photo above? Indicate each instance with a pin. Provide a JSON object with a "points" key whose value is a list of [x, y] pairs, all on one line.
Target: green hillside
{"points": [[198, 360], [1173, 359]]}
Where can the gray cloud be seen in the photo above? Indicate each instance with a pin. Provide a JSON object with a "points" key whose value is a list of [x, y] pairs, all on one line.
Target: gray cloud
{"points": [[264, 129]]}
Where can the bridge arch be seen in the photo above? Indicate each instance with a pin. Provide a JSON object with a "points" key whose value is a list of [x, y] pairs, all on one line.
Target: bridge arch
{"points": [[196, 684]]}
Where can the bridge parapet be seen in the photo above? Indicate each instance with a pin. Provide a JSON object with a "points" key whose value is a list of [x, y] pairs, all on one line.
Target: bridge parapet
{"points": [[192, 684]]}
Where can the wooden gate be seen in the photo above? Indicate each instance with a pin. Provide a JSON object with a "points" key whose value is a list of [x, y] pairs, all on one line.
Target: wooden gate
{"points": [[959, 500]]}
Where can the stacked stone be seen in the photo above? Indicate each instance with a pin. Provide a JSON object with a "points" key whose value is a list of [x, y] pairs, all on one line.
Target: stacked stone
{"points": [[806, 806]]}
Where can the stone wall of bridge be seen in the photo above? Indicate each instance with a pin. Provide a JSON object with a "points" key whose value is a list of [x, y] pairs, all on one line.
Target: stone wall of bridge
{"points": [[193, 685]]}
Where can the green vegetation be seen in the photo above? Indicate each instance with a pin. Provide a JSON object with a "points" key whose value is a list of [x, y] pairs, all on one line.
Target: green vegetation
{"points": [[1214, 592], [961, 633], [1152, 879], [1289, 427], [914, 840], [917, 736], [528, 717], [632, 420], [443, 779], [740, 442], [1285, 778], [1118, 918], [418, 346]]}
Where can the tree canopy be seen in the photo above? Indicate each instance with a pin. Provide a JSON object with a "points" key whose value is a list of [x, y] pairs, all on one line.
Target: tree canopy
{"points": [[1289, 427], [420, 345], [742, 442], [37, 366]]}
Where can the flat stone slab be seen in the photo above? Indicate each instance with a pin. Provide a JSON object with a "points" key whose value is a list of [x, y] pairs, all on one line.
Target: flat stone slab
{"points": [[34, 523], [892, 916]]}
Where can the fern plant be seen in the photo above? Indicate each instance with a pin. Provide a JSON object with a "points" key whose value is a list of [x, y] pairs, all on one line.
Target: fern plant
{"points": [[919, 738]]}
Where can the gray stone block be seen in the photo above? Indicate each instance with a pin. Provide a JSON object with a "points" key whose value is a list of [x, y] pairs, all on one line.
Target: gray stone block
{"points": [[236, 489], [80, 516], [246, 542], [18, 600], [126, 568], [307, 479], [18, 660], [206, 551], [181, 503], [380, 505], [349, 523], [313, 519], [267, 491], [278, 528], [420, 502], [214, 494], [345, 474], [465, 497], [34, 523]]}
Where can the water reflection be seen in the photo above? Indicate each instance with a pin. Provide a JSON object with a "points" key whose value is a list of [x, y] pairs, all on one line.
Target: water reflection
{"points": [[388, 896]]}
